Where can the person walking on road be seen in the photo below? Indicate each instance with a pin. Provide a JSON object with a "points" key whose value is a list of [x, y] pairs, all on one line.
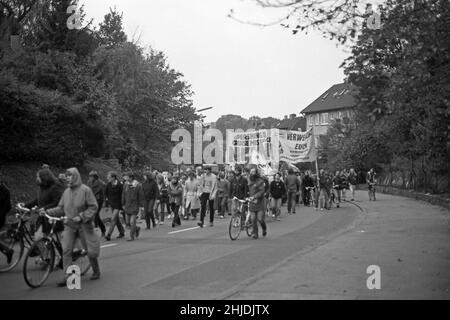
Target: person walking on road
{"points": [[133, 203], [151, 192], [5, 208], [307, 193], [223, 190], [113, 200], [79, 206], [337, 187], [163, 199], [175, 200], [323, 193], [98, 187], [277, 191], [256, 188], [371, 182], [293, 187], [192, 194], [209, 190], [352, 181]]}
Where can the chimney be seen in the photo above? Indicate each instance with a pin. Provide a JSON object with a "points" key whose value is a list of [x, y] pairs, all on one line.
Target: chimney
{"points": [[285, 117], [293, 116]]}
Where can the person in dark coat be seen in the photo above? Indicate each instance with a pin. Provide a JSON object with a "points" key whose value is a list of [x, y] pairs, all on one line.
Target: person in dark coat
{"points": [[151, 193], [277, 191], [5, 208], [48, 196], [256, 192], [98, 187], [113, 200], [238, 188]]}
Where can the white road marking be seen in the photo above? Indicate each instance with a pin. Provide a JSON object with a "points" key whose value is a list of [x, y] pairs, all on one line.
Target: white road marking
{"points": [[173, 232], [109, 245]]}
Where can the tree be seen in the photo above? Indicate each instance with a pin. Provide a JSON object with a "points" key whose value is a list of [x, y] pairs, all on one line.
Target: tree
{"points": [[111, 32], [402, 71]]}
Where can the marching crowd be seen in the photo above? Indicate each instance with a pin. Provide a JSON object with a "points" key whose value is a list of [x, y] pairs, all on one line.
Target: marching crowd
{"points": [[178, 196]]}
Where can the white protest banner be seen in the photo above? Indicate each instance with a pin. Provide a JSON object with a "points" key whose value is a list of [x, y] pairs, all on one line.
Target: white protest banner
{"points": [[252, 146], [296, 146]]}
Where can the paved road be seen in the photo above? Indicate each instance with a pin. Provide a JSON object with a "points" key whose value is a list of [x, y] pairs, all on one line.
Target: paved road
{"points": [[192, 264], [407, 239]]}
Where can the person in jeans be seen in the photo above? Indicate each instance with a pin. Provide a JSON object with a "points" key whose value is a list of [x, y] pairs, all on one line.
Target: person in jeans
{"points": [[163, 199], [79, 206], [208, 186], [293, 187], [113, 200], [98, 187], [223, 190], [256, 189], [151, 193], [277, 191], [132, 202], [352, 181], [175, 200]]}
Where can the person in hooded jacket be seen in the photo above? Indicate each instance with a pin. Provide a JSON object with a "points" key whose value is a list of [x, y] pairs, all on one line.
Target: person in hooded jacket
{"points": [[48, 196], [78, 205]]}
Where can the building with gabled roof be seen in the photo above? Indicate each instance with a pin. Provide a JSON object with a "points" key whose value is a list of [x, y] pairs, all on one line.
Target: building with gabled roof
{"points": [[338, 102]]}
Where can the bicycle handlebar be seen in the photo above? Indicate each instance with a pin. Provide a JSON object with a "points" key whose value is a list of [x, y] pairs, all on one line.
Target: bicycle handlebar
{"points": [[241, 201], [54, 218]]}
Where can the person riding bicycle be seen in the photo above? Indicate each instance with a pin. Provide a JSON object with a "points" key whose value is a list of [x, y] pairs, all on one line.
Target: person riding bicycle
{"points": [[239, 189], [48, 196], [5, 208], [79, 206], [371, 181]]}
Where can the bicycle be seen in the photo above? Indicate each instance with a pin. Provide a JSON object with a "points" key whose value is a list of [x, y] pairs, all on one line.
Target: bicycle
{"points": [[41, 257], [17, 238], [237, 224]]}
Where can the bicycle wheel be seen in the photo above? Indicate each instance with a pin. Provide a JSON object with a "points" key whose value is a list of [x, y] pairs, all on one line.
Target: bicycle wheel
{"points": [[12, 241], [38, 263], [234, 228]]}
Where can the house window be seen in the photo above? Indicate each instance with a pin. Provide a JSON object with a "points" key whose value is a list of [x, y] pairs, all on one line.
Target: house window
{"points": [[324, 118], [331, 115], [317, 118]]}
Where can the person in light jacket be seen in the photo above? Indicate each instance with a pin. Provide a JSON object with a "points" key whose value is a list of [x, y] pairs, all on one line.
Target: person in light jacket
{"points": [[79, 206], [175, 200], [132, 202]]}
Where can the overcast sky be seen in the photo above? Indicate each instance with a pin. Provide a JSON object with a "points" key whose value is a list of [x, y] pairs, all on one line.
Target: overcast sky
{"points": [[233, 67]]}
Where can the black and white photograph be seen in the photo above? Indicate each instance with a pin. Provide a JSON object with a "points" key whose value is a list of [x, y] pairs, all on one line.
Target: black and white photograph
{"points": [[224, 155]]}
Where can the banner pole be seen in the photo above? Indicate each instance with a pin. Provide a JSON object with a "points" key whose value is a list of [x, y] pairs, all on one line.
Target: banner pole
{"points": [[317, 155]]}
